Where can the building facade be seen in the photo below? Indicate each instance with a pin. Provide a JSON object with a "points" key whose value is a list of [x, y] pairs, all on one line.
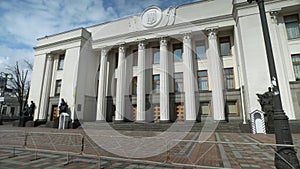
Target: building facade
{"points": [[177, 64]]}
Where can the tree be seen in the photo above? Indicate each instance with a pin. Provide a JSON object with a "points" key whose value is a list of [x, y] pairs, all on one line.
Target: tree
{"points": [[18, 82]]}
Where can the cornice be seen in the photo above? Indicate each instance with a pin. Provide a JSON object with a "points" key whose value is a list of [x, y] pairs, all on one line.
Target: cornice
{"points": [[58, 43], [158, 30]]}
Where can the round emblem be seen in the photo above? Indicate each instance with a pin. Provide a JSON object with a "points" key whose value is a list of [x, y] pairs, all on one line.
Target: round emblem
{"points": [[151, 16]]}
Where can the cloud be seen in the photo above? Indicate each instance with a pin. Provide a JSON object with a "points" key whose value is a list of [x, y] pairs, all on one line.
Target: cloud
{"points": [[23, 21]]}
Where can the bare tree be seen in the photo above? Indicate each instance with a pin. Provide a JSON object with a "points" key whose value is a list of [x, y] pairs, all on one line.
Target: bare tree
{"points": [[18, 82]]}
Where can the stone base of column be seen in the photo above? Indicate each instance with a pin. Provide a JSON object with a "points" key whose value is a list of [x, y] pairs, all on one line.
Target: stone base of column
{"points": [[164, 121], [119, 121], [100, 121], [190, 121]]}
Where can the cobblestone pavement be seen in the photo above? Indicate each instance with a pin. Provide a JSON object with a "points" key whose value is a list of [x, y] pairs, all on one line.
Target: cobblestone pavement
{"points": [[51, 148]]}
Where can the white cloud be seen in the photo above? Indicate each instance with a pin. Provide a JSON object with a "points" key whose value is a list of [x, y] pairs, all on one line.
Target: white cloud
{"points": [[23, 21]]}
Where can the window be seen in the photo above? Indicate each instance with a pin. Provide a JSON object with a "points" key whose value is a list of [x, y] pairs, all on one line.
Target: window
{"points": [[296, 65], [155, 83], [61, 62], [156, 55], [204, 108], [178, 82], [12, 111], [202, 80], [4, 111], [134, 86], [177, 52], [134, 57], [292, 26], [57, 87], [115, 87], [231, 108], [200, 49], [116, 60], [225, 46], [229, 78]]}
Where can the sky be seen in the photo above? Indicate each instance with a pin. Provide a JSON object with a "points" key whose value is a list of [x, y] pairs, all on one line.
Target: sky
{"points": [[24, 21]]}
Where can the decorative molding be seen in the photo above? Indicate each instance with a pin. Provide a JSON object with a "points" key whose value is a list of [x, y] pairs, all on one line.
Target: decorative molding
{"points": [[212, 32], [187, 37], [104, 51], [274, 15], [141, 45], [153, 16], [163, 42], [122, 48]]}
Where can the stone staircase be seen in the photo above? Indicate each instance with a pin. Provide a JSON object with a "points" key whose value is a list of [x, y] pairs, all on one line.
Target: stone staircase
{"points": [[232, 126]]}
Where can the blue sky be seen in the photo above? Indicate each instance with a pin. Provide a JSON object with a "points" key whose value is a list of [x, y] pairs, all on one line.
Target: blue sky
{"points": [[23, 21]]}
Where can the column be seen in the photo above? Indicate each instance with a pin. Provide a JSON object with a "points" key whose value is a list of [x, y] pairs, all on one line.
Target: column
{"points": [[216, 76], [189, 79], [101, 100], [46, 88], [121, 81], [141, 94], [164, 81]]}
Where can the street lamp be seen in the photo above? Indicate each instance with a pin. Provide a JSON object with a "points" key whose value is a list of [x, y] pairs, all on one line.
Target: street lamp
{"points": [[284, 155]]}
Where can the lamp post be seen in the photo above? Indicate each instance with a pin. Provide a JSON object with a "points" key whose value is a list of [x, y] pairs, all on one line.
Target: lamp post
{"points": [[285, 157]]}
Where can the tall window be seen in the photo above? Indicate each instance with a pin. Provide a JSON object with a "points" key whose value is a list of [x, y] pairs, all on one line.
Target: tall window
{"points": [[134, 86], [178, 82], [232, 108], [116, 60], [296, 65], [134, 57], [12, 111], [155, 83], [4, 111], [156, 55], [177, 52], [292, 26], [204, 108], [200, 49], [57, 87], [61, 61], [229, 78], [202, 80], [225, 46]]}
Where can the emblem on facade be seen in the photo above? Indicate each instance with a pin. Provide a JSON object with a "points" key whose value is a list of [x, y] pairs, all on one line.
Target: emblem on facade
{"points": [[151, 17]]}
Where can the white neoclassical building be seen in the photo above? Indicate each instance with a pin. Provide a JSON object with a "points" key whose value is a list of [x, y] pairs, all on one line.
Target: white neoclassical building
{"points": [[177, 64]]}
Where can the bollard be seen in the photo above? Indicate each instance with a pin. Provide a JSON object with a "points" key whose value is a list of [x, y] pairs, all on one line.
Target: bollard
{"points": [[25, 140], [168, 154], [99, 164], [82, 144], [14, 152]]}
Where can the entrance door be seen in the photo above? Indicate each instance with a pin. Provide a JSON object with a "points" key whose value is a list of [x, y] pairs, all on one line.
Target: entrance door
{"points": [[54, 112], [134, 110], [179, 107], [156, 112]]}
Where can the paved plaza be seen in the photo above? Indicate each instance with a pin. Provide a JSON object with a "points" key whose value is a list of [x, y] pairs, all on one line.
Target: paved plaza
{"points": [[41, 147]]}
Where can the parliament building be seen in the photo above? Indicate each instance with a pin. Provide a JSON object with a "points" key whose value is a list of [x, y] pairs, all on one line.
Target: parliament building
{"points": [[182, 63]]}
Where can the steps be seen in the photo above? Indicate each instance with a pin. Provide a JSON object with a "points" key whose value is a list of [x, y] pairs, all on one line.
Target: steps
{"points": [[232, 126]]}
